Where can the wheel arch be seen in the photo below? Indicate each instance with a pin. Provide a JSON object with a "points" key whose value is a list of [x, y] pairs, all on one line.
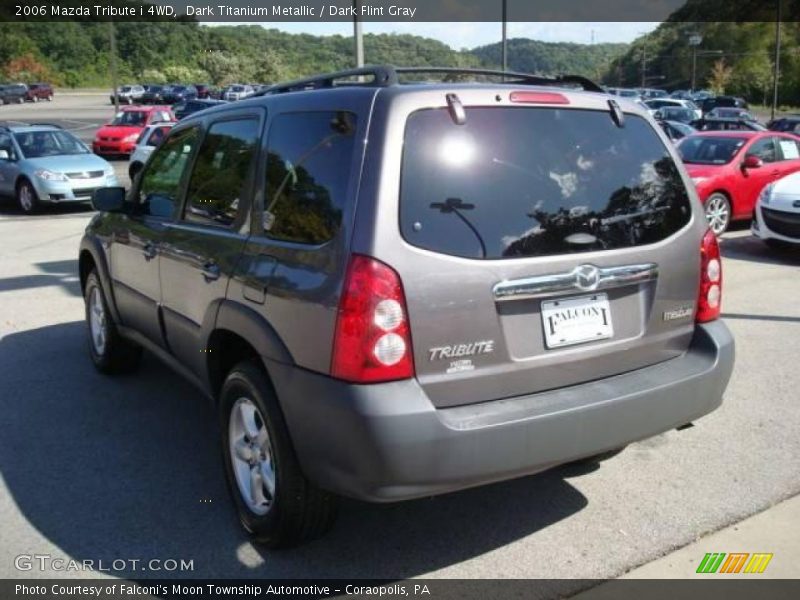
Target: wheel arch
{"points": [[91, 256], [240, 333]]}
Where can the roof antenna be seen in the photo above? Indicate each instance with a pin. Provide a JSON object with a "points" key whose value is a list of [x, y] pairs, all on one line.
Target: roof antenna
{"points": [[616, 113], [456, 109]]}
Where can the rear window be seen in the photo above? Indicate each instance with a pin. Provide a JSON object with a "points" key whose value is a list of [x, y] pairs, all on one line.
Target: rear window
{"points": [[707, 150], [517, 182]]}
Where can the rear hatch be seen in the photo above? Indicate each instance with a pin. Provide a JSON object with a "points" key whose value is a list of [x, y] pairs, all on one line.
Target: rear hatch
{"points": [[544, 245]]}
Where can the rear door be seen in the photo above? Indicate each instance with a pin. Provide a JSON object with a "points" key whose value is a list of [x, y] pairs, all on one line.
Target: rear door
{"points": [[543, 246], [788, 155], [200, 250]]}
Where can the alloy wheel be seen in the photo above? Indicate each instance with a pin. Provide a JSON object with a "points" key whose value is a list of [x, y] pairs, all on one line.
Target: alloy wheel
{"points": [[718, 213], [97, 322], [251, 456]]}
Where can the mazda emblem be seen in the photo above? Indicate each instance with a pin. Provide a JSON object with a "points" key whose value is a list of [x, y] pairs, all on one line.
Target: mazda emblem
{"points": [[587, 277]]}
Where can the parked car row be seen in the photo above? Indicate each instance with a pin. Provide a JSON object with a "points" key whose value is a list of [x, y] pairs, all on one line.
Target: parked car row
{"points": [[174, 93], [17, 93]]}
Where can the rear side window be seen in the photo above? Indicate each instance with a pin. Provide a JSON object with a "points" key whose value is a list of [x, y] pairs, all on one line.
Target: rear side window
{"points": [[221, 172], [308, 169], [517, 182]]}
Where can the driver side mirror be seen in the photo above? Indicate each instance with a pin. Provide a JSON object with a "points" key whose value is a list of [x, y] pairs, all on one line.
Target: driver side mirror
{"points": [[109, 199], [752, 162]]}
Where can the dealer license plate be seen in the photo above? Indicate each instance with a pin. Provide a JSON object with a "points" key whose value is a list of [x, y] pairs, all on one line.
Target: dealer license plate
{"points": [[576, 320]]}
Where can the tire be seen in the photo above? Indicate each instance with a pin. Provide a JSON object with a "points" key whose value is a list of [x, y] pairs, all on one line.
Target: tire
{"points": [[718, 213], [294, 510], [49, 98], [113, 354], [27, 198]]}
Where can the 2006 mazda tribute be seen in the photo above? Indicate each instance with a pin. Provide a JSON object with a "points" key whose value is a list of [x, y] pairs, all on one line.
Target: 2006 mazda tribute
{"points": [[394, 288]]}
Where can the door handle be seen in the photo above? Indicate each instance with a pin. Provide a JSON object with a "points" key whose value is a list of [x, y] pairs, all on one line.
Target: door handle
{"points": [[149, 250], [210, 271]]}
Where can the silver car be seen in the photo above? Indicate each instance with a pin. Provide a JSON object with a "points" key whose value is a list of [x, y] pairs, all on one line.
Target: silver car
{"points": [[237, 92], [44, 164], [148, 141]]}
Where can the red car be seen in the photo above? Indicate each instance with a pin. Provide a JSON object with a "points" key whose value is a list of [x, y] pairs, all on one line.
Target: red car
{"points": [[119, 136], [39, 91], [730, 168]]}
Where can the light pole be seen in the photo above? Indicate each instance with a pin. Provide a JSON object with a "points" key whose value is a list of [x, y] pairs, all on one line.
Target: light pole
{"points": [[358, 37], [777, 70], [505, 39], [112, 58], [695, 39]]}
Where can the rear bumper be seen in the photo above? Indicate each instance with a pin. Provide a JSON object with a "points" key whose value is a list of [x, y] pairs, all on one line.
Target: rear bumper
{"points": [[388, 442]]}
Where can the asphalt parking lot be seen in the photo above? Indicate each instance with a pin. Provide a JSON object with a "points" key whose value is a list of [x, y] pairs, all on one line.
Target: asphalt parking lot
{"points": [[97, 468]]}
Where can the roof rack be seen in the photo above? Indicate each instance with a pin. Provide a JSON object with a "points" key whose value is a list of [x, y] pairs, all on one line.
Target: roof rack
{"points": [[387, 75]]}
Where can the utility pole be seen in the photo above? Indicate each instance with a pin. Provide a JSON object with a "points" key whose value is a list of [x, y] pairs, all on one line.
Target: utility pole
{"points": [[777, 69], [695, 40], [112, 35], [358, 37], [505, 39], [644, 66]]}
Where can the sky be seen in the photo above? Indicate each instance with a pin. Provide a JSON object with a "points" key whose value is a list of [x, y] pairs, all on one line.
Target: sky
{"points": [[469, 35]]}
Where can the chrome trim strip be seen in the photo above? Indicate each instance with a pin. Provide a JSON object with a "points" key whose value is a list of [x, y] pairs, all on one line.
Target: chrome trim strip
{"points": [[584, 278]]}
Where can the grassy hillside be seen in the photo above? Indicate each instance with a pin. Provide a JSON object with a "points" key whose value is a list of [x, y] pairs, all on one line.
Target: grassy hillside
{"points": [[734, 57], [77, 54], [532, 56]]}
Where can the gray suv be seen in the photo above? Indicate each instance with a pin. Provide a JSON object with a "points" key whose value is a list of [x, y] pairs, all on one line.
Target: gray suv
{"points": [[394, 288]]}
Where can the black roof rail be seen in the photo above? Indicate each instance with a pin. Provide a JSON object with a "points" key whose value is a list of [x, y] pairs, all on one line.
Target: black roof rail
{"points": [[53, 125], [510, 76], [382, 75], [387, 75]]}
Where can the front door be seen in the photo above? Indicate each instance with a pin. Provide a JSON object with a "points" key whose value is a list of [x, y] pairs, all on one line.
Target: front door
{"points": [[8, 166], [136, 236], [200, 249], [754, 180]]}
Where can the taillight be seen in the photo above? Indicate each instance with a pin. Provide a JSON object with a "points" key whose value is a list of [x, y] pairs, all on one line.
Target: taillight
{"points": [[373, 339], [710, 296]]}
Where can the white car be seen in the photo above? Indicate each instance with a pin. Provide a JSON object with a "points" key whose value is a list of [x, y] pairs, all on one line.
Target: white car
{"points": [[237, 92], [149, 139], [657, 103], [777, 215]]}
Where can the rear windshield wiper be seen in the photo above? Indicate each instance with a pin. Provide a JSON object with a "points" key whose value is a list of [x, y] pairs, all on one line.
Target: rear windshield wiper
{"points": [[455, 206]]}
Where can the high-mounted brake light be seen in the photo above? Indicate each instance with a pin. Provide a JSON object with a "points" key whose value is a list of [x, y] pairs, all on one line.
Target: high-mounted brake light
{"points": [[539, 98], [372, 342], [709, 299]]}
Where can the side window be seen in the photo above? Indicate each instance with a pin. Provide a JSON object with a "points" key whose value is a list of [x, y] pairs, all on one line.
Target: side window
{"points": [[5, 144], [764, 149], [308, 168], [221, 172], [788, 149], [157, 136], [161, 181]]}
